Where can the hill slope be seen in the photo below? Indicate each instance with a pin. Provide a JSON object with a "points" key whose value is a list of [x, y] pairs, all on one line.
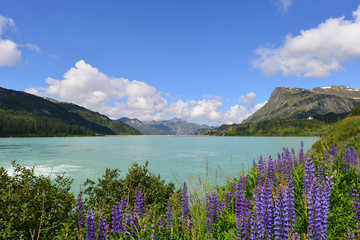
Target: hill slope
{"points": [[295, 103], [289, 127], [23, 114], [344, 133]]}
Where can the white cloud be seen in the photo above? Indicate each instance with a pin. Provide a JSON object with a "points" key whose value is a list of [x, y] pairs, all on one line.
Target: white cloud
{"points": [[284, 5], [314, 52], [10, 55], [86, 86]]}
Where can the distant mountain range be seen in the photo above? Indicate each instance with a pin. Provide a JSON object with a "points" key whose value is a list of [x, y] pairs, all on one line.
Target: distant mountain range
{"points": [[296, 103], [173, 126], [23, 114]]}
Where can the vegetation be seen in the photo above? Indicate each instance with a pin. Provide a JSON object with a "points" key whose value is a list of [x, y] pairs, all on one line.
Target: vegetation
{"points": [[346, 133], [291, 127], [23, 114], [26, 125], [292, 196]]}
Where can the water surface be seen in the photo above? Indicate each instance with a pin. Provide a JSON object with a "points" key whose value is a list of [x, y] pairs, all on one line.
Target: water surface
{"points": [[172, 157]]}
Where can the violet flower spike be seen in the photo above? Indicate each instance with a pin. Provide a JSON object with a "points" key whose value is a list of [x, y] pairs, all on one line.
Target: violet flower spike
{"points": [[185, 202], [90, 225]]}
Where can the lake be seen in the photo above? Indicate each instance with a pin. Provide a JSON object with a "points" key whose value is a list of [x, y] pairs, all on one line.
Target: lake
{"points": [[175, 158]]}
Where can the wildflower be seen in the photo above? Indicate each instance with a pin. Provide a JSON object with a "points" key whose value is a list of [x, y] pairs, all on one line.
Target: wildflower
{"points": [[139, 203], [90, 225], [281, 217], [185, 202], [102, 228], [169, 215]]}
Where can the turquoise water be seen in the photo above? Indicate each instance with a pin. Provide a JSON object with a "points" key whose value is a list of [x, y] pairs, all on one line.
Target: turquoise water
{"points": [[174, 158]]}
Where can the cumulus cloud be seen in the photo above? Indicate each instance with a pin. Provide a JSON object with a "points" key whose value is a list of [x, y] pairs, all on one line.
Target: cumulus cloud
{"points": [[10, 55], [86, 86], [314, 52]]}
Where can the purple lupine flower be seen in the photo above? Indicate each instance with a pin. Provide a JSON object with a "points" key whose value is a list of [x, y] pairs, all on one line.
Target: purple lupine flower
{"points": [[212, 211], [161, 223], [242, 214], [257, 230], [169, 215], [355, 204], [139, 203], [325, 155], [320, 173], [309, 175], [132, 225], [90, 225], [301, 153], [117, 216], [153, 229], [271, 171], [80, 208], [281, 217], [333, 150], [311, 210], [228, 198], [266, 210], [102, 228], [185, 202], [290, 204], [318, 209], [351, 234]]}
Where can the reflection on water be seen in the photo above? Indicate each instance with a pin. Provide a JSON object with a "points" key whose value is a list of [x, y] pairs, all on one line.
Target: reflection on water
{"points": [[174, 158]]}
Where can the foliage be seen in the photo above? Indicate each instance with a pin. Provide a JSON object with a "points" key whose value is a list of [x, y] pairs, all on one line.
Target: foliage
{"points": [[33, 207], [345, 133], [23, 114], [291, 127], [111, 188]]}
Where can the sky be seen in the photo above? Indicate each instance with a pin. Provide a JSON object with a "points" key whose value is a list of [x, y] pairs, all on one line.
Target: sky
{"points": [[205, 61]]}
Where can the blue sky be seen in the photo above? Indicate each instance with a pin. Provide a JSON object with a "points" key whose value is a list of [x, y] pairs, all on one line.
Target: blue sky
{"points": [[203, 61]]}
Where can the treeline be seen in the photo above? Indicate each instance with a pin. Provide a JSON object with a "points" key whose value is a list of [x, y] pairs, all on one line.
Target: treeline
{"points": [[26, 125], [290, 127]]}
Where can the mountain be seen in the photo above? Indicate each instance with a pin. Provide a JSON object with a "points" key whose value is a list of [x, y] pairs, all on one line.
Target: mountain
{"points": [[295, 103], [173, 126], [23, 114]]}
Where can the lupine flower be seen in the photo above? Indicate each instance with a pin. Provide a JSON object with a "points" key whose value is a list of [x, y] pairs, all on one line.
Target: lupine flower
{"points": [[266, 210], [212, 211], [309, 175], [320, 173], [228, 198], [102, 228], [290, 204], [117, 216], [185, 202], [139, 203], [241, 214], [281, 216], [333, 150], [351, 234], [355, 204], [318, 209], [325, 155], [169, 215], [80, 207], [301, 153], [271, 170], [90, 225]]}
